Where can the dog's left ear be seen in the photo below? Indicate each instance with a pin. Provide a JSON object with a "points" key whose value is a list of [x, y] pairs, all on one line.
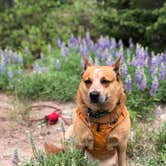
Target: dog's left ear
{"points": [[116, 67]]}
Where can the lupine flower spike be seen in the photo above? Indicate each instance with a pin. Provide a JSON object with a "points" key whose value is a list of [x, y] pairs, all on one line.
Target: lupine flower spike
{"points": [[154, 87], [128, 83]]}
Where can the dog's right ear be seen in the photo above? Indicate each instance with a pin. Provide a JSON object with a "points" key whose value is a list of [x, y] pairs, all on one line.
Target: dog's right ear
{"points": [[86, 62]]}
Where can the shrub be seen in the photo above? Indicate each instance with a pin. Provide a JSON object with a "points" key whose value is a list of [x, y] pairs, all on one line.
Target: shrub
{"points": [[35, 25], [144, 22]]}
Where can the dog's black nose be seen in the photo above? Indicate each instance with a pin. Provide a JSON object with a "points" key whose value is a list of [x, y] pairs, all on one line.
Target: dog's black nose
{"points": [[94, 96]]}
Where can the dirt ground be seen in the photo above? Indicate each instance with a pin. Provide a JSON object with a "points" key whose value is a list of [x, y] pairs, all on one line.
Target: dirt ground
{"points": [[14, 131]]}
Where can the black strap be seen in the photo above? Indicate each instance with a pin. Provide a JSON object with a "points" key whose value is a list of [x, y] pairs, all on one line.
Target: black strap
{"points": [[97, 114]]}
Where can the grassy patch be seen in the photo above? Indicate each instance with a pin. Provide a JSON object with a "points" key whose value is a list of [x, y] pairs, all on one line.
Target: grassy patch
{"points": [[147, 146], [68, 158], [71, 157]]}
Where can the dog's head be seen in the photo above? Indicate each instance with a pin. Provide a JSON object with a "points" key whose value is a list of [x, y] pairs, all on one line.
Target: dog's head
{"points": [[100, 85]]}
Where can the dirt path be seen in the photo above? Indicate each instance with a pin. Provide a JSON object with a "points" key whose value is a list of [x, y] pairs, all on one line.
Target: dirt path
{"points": [[14, 132]]}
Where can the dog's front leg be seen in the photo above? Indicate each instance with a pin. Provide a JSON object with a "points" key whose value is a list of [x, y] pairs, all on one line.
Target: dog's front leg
{"points": [[122, 154], [86, 139], [83, 133]]}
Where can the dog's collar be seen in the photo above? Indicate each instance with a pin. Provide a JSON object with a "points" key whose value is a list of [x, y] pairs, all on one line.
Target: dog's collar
{"points": [[97, 114]]}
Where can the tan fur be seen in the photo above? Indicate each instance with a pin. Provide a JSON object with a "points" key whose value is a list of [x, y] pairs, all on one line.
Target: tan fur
{"points": [[118, 137]]}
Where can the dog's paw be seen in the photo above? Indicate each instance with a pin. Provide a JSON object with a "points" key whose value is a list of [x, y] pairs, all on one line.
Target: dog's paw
{"points": [[50, 148], [112, 143], [90, 144], [87, 141]]}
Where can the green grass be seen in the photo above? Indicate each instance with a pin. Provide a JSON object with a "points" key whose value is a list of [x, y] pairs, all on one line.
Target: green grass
{"points": [[71, 157], [147, 146], [68, 158]]}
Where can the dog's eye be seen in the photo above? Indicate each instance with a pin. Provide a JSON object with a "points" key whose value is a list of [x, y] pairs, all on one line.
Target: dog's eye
{"points": [[104, 81], [88, 82]]}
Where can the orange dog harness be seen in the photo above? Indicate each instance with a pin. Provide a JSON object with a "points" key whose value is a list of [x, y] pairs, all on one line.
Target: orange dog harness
{"points": [[100, 136]]}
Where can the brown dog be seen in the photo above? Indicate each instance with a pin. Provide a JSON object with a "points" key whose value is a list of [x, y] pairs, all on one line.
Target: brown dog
{"points": [[101, 122]]}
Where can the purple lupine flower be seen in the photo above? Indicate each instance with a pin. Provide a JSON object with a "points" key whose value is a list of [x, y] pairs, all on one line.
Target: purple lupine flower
{"points": [[138, 75], [128, 83], [92, 46], [109, 61], [79, 39], [124, 70], [20, 60], [133, 61], [15, 159], [146, 54], [128, 57], [121, 54], [9, 53], [112, 52], [143, 83], [131, 45], [104, 55], [140, 58], [98, 54], [162, 72], [72, 38], [2, 68], [64, 50], [10, 74], [153, 70], [113, 43], [153, 60], [153, 66], [72, 41], [59, 42], [164, 57], [158, 59], [154, 87], [120, 43], [36, 68], [83, 50], [6, 57], [103, 43], [14, 58], [88, 39], [107, 42], [57, 64]]}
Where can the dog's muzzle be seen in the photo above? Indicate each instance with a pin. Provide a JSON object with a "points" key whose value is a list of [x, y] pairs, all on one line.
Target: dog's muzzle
{"points": [[94, 96]]}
